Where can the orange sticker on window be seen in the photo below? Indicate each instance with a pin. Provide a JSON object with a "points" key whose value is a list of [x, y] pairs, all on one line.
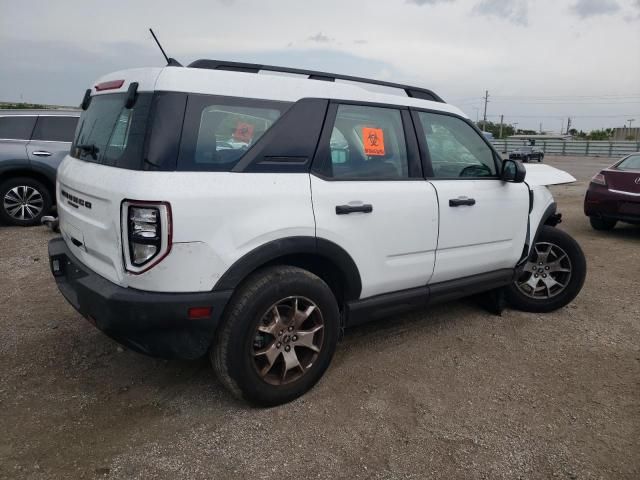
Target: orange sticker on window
{"points": [[373, 139], [243, 132]]}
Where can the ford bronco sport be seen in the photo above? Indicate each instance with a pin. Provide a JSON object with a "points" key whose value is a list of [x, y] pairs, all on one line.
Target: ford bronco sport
{"points": [[252, 212]]}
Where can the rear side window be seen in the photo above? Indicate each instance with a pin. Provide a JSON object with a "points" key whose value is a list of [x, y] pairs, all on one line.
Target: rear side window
{"points": [[110, 134], [219, 131], [16, 127], [456, 150], [55, 129], [368, 143], [631, 163]]}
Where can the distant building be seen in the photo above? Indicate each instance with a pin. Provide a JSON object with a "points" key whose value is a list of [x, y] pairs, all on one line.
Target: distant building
{"points": [[624, 133]]}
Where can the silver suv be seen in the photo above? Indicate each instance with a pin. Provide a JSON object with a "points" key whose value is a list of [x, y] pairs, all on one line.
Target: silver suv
{"points": [[32, 145]]}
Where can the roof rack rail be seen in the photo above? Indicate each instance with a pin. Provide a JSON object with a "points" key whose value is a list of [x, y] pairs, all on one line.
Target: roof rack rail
{"points": [[415, 92]]}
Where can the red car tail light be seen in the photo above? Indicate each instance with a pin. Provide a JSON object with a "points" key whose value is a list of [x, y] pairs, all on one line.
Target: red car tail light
{"points": [[146, 234], [599, 179]]}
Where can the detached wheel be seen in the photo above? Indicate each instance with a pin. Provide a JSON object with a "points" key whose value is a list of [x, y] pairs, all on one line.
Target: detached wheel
{"points": [[602, 223], [277, 337], [24, 201], [553, 275]]}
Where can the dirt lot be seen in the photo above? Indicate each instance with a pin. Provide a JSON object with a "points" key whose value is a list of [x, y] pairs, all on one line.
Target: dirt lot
{"points": [[450, 393]]}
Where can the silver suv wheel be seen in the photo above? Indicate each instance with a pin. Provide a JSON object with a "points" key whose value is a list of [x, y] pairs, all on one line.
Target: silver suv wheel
{"points": [[547, 273], [23, 202]]}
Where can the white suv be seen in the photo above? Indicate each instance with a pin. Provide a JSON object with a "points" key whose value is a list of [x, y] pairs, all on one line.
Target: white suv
{"points": [[253, 212]]}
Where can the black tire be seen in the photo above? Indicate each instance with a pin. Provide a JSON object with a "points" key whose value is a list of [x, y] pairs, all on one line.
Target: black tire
{"points": [[526, 159], [602, 223], [232, 353], [42, 200], [578, 266], [540, 157]]}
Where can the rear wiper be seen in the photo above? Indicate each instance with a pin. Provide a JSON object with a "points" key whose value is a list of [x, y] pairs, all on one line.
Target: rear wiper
{"points": [[89, 148]]}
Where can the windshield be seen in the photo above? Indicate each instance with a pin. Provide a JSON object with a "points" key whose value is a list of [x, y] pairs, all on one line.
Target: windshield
{"points": [[110, 134], [630, 163]]}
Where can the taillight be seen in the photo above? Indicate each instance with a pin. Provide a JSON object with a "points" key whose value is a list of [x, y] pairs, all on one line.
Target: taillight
{"points": [[146, 234], [599, 179], [110, 85]]}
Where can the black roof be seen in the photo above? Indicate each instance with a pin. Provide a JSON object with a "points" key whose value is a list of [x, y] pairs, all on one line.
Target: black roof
{"points": [[415, 92]]}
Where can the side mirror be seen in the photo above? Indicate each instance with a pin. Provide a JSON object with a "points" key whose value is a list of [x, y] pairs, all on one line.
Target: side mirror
{"points": [[513, 171]]}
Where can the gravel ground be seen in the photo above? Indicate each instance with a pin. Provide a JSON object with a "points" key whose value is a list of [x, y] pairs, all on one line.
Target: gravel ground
{"points": [[450, 393]]}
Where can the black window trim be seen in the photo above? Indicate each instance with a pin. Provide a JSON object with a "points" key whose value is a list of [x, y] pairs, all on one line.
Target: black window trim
{"points": [[322, 158], [424, 149], [32, 128], [189, 135], [50, 141]]}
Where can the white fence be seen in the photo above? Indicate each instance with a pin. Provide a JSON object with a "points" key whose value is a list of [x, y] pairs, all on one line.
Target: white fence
{"points": [[573, 147]]}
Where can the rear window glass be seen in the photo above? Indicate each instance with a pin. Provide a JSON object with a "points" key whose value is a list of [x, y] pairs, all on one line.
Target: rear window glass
{"points": [[55, 129], [631, 163], [219, 131], [16, 127], [110, 134]]}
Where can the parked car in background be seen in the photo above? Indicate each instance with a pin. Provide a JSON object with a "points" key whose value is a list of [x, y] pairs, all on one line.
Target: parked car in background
{"points": [[526, 154], [614, 194], [32, 145]]}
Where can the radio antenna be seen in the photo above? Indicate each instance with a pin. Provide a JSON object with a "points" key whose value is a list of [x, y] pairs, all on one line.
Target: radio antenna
{"points": [[171, 62]]}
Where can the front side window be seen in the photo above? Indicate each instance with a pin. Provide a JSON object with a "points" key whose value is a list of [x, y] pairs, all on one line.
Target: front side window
{"points": [[368, 143], [456, 150], [630, 163], [55, 129], [17, 127]]}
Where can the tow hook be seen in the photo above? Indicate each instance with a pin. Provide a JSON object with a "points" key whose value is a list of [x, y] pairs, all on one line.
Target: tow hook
{"points": [[52, 222]]}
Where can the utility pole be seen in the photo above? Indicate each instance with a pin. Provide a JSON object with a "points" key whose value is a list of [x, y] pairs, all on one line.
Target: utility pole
{"points": [[501, 120], [568, 125], [515, 129], [631, 120], [540, 128], [486, 100]]}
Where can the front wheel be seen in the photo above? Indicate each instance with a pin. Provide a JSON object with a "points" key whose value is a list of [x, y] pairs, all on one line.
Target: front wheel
{"points": [[277, 337], [553, 275]]}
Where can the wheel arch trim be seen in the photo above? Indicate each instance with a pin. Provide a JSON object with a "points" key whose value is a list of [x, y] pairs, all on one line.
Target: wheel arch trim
{"points": [[285, 247]]}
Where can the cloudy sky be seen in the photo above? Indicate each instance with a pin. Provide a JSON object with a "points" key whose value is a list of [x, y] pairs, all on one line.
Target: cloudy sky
{"points": [[541, 60]]}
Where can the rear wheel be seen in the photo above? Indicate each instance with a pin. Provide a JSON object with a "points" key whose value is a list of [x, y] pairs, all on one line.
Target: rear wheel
{"points": [[277, 337], [23, 201], [602, 223], [553, 275]]}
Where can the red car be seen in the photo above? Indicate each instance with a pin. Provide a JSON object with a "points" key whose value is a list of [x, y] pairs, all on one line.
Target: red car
{"points": [[614, 194]]}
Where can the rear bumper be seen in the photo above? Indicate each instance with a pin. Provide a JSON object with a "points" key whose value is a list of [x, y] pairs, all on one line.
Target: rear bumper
{"points": [[601, 202], [152, 323]]}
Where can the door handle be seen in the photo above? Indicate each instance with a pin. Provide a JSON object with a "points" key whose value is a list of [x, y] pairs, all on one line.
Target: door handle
{"points": [[42, 153], [346, 209], [460, 201]]}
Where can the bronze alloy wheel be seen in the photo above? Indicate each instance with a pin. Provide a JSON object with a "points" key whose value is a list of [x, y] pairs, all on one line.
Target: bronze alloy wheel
{"points": [[287, 340], [547, 273]]}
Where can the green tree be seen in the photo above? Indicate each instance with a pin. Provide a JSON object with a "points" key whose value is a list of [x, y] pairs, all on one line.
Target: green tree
{"points": [[494, 129]]}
